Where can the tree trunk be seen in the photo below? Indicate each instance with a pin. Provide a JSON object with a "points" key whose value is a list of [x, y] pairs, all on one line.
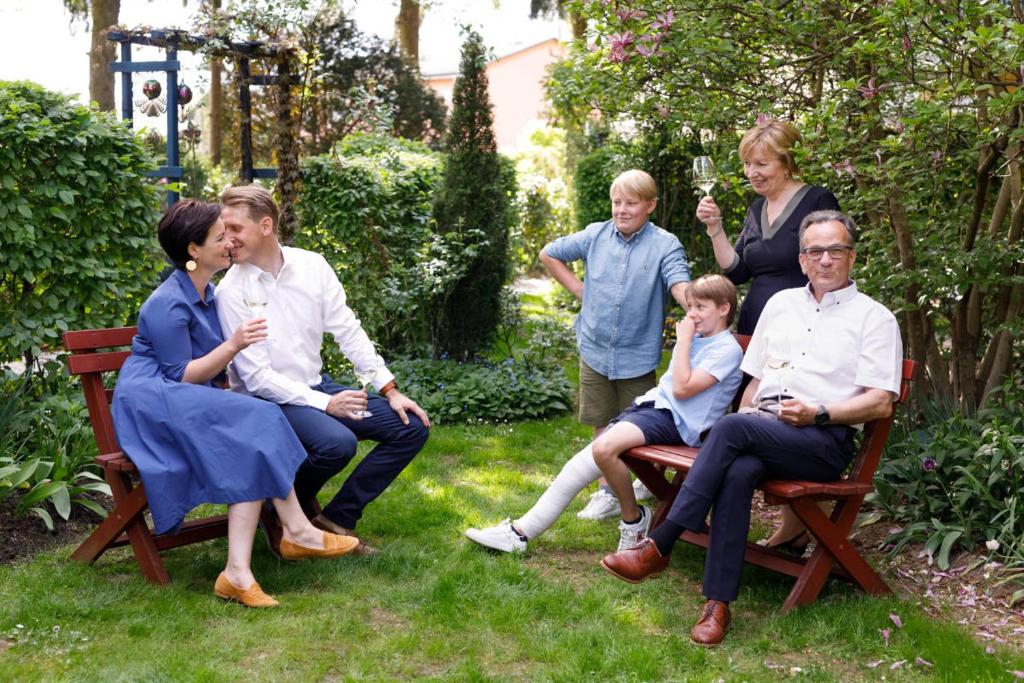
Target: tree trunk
{"points": [[407, 26], [101, 82], [578, 22], [216, 136]]}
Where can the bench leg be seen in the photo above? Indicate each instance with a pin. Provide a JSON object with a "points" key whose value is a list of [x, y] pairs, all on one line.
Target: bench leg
{"points": [[833, 546], [126, 517]]}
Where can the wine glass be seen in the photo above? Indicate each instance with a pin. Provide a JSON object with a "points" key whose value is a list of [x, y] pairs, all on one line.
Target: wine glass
{"points": [[779, 361], [704, 174], [255, 295], [365, 376]]}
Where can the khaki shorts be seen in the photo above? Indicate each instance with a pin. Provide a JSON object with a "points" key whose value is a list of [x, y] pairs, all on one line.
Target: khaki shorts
{"points": [[602, 399]]}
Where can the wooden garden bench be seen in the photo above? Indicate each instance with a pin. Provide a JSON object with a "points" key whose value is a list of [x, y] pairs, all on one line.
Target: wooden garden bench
{"points": [[834, 553], [94, 353]]}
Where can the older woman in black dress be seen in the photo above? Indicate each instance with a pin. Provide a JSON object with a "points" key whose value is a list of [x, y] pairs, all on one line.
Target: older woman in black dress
{"points": [[767, 248]]}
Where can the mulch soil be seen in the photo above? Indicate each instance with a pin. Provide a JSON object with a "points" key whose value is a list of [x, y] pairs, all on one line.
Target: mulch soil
{"points": [[968, 593]]}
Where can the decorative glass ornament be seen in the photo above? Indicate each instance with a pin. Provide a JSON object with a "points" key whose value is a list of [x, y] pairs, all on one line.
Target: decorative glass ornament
{"points": [[152, 89], [184, 94]]}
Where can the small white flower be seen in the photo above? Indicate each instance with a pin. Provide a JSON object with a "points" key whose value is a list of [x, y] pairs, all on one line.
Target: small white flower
{"points": [[992, 545]]}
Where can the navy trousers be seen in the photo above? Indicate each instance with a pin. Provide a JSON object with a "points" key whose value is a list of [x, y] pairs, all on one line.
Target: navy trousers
{"points": [[330, 444], [740, 452]]}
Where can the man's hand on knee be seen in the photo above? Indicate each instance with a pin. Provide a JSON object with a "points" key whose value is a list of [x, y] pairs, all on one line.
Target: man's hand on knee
{"points": [[402, 404], [347, 404]]}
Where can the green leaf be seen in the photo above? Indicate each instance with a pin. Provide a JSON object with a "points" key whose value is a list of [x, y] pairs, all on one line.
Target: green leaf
{"points": [[43, 515], [61, 500], [947, 544]]}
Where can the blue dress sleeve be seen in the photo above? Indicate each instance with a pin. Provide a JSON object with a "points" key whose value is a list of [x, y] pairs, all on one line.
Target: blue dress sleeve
{"points": [[167, 328]]}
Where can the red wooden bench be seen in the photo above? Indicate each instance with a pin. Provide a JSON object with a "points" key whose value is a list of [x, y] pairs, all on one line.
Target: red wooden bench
{"points": [[834, 553], [94, 353]]}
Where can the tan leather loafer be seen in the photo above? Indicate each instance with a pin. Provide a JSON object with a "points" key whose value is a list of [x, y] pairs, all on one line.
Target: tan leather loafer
{"points": [[334, 545], [253, 596], [321, 522]]}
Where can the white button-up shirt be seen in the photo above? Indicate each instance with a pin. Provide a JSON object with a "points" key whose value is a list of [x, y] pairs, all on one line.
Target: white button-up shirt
{"points": [[824, 352], [306, 300]]}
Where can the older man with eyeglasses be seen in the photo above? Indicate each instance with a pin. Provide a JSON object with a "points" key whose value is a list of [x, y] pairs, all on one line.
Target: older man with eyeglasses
{"points": [[829, 358]]}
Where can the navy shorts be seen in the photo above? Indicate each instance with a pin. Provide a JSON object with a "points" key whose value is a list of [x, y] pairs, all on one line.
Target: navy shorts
{"points": [[657, 424]]}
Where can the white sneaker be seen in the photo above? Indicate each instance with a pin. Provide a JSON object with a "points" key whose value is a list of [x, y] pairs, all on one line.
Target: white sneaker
{"points": [[501, 537], [641, 492], [603, 504], [632, 535]]}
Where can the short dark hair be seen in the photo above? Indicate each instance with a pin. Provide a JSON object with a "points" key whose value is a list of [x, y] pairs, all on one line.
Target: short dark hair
{"points": [[182, 224], [825, 216]]}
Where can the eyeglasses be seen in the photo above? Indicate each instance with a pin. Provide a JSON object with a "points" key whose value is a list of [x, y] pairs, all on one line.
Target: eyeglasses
{"points": [[836, 251]]}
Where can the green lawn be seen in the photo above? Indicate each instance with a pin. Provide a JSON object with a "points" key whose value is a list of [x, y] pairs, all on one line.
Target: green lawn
{"points": [[431, 606]]}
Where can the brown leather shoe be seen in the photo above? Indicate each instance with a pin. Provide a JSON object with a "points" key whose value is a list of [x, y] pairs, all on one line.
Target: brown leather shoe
{"points": [[636, 564], [334, 545], [253, 596], [321, 522], [710, 629]]}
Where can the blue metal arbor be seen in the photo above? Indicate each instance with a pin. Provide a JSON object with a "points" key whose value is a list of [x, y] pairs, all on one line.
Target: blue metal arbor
{"points": [[171, 40]]}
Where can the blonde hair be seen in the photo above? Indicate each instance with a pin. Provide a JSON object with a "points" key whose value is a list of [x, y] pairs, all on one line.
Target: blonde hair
{"points": [[637, 182], [717, 288], [775, 137], [256, 199]]}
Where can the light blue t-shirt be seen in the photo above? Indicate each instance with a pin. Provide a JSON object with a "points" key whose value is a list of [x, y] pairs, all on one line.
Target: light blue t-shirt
{"points": [[719, 356], [619, 328]]}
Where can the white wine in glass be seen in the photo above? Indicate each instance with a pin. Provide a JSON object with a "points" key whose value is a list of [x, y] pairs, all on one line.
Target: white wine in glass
{"points": [[704, 174], [365, 377], [255, 296]]}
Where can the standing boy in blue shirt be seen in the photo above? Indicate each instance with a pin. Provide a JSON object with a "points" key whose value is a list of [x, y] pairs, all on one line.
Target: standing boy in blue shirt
{"points": [[631, 265], [697, 390]]}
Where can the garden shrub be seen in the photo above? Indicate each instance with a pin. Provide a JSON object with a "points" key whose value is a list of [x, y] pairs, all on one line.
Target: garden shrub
{"points": [[367, 210], [543, 203], [473, 213], [956, 481], [46, 445], [78, 217], [594, 174]]}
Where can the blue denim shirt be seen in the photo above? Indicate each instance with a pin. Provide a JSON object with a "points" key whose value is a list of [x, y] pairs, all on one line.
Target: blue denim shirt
{"points": [[619, 328]]}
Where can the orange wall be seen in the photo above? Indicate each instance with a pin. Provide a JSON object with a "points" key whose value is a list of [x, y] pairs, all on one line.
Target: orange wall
{"points": [[516, 87]]}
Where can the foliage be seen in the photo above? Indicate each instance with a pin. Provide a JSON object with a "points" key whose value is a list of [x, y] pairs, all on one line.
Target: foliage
{"points": [[78, 216], [366, 208], [956, 481], [475, 392], [46, 447], [911, 113], [543, 201], [474, 209]]}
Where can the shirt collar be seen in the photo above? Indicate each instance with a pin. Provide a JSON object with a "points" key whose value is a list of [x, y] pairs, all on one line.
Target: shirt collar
{"points": [[635, 236], [188, 288], [839, 296]]}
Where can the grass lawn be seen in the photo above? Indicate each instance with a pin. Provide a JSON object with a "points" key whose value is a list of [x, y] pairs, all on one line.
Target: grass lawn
{"points": [[432, 606]]}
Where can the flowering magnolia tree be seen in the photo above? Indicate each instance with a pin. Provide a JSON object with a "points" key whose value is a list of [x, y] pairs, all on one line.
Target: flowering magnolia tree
{"points": [[911, 112]]}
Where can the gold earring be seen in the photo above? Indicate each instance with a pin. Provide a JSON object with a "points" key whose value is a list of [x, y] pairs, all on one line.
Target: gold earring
{"points": [[191, 265]]}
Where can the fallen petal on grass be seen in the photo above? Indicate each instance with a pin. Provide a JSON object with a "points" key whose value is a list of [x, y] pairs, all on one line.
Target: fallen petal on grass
{"points": [[886, 633], [896, 665], [874, 664], [895, 619], [923, 662]]}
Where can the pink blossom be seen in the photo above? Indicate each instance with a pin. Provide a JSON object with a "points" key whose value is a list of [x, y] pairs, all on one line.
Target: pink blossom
{"points": [[647, 46], [907, 45], [663, 111], [762, 118], [843, 167], [663, 21], [870, 91], [627, 14], [619, 42], [592, 47]]}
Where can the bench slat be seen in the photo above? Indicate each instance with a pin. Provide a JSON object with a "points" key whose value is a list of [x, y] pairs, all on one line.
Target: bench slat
{"points": [[117, 461], [108, 361], [87, 340]]}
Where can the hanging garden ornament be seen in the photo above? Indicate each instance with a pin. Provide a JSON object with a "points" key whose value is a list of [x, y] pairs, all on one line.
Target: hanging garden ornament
{"points": [[152, 104], [184, 97]]}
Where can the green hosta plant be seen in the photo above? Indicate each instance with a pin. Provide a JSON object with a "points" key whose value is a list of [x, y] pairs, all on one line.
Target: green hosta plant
{"points": [[36, 479]]}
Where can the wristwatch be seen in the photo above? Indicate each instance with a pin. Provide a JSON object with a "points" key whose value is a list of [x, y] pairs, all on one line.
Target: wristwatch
{"points": [[822, 417]]}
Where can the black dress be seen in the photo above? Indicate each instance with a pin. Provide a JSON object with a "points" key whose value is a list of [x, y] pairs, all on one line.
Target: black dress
{"points": [[770, 256]]}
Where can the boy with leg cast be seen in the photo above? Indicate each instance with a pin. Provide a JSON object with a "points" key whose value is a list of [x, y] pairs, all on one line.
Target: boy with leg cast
{"points": [[701, 381]]}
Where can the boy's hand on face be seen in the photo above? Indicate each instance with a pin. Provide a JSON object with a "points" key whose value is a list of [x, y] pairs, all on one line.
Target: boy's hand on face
{"points": [[686, 328]]}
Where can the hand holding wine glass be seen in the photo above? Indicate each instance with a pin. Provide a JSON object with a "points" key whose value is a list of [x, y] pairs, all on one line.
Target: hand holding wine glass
{"points": [[365, 378], [255, 295]]}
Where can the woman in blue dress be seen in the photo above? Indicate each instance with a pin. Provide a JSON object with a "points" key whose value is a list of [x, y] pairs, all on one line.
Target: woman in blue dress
{"points": [[768, 247], [194, 442]]}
